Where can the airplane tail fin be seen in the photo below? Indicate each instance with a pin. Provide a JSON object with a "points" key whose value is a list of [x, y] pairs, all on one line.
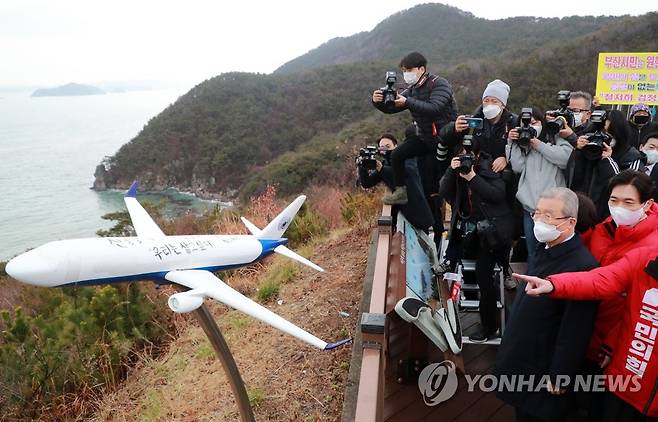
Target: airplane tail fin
{"points": [[276, 229]]}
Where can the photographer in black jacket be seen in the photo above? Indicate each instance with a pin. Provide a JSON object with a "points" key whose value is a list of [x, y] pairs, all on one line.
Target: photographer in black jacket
{"points": [[430, 100], [496, 124], [417, 210], [580, 104], [481, 223]]}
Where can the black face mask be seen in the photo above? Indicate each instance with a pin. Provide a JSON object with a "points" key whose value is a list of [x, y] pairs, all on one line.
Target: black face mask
{"points": [[640, 120]]}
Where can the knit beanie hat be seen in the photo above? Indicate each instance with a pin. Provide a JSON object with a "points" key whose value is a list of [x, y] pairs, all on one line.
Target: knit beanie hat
{"points": [[639, 107], [497, 89]]}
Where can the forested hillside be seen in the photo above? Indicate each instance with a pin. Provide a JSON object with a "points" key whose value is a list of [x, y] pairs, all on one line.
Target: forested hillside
{"points": [[447, 36], [234, 133]]}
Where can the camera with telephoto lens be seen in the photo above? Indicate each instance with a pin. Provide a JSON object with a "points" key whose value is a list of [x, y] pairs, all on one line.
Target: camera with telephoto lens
{"points": [[389, 92], [368, 157], [525, 131], [466, 160], [562, 117], [595, 140]]}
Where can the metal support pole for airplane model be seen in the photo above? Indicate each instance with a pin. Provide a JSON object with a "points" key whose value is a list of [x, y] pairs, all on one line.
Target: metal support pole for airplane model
{"points": [[225, 357]]}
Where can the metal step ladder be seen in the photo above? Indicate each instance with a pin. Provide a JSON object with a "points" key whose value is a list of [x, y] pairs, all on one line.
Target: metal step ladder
{"points": [[468, 266]]}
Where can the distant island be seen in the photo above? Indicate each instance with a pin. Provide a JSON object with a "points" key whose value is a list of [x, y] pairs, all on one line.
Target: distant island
{"points": [[71, 89]]}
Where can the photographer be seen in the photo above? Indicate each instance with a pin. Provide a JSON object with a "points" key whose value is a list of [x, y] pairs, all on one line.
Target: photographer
{"points": [[481, 223], [580, 104], [417, 210], [540, 159], [497, 121], [430, 100], [601, 155], [640, 125]]}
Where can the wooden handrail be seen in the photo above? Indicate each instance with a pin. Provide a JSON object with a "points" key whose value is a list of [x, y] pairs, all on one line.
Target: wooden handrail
{"points": [[370, 398]]}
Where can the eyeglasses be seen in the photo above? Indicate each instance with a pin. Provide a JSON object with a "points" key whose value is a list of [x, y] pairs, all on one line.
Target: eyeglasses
{"points": [[545, 217], [578, 110]]}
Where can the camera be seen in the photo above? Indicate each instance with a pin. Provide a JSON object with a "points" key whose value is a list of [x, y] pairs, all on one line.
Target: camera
{"points": [[389, 92], [368, 157], [466, 160], [596, 139], [562, 117], [526, 132]]}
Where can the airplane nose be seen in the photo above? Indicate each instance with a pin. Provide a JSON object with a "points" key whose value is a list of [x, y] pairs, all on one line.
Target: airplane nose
{"points": [[30, 269]]}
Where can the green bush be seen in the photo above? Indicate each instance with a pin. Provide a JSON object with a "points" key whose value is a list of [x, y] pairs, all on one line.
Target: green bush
{"points": [[78, 338], [305, 226], [267, 290]]}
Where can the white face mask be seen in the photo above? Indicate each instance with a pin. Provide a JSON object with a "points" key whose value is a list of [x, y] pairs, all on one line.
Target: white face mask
{"points": [[545, 233], [537, 128], [626, 217], [578, 119], [410, 77], [491, 111], [652, 156]]}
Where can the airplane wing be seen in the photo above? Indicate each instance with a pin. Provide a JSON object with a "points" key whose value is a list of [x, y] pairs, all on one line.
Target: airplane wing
{"points": [[142, 222], [204, 283]]}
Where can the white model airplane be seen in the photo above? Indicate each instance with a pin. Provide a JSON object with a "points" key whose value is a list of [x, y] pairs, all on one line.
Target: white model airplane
{"points": [[185, 260]]}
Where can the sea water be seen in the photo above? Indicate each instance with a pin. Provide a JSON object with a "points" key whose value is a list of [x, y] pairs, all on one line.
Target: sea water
{"points": [[49, 149]]}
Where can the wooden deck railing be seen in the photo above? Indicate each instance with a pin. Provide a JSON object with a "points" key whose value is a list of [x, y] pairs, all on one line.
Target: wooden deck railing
{"points": [[370, 399]]}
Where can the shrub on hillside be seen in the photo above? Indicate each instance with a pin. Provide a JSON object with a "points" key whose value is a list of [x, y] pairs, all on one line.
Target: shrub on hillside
{"points": [[78, 339]]}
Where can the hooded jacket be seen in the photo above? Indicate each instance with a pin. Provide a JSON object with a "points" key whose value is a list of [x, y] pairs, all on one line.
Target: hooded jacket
{"points": [[608, 244], [636, 360], [638, 134]]}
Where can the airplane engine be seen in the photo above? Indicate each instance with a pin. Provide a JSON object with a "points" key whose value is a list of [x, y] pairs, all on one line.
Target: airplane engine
{"points": [[185, 302]]}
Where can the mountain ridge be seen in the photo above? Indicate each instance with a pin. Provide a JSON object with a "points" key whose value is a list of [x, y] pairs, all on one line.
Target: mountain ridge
{"points": [[234, 133]]}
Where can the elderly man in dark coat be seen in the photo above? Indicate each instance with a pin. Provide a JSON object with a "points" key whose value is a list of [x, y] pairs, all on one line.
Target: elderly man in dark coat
{"points": [[546, 337]]}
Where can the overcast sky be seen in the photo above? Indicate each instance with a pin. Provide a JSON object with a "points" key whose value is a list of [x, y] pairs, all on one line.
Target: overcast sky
{"points": [[48, 43]]}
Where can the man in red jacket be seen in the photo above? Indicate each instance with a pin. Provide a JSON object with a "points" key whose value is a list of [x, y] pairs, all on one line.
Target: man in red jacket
{"points": [[633, 224], [636, 274]]}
